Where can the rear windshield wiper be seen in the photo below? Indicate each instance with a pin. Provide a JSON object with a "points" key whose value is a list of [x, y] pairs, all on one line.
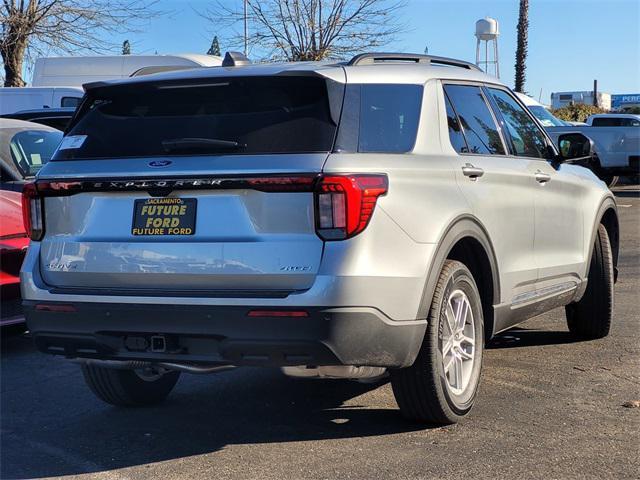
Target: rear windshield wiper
{"points": [[200, 144]]}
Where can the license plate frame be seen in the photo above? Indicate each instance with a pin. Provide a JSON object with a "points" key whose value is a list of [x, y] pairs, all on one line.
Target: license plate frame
{"points": [[164, 217]]}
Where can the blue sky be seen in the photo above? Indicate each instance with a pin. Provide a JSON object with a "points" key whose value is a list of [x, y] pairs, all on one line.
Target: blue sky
{"points": [[571, 42]]}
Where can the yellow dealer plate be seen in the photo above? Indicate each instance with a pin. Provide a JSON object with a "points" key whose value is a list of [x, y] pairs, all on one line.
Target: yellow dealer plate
{"points": [[164, 216]]}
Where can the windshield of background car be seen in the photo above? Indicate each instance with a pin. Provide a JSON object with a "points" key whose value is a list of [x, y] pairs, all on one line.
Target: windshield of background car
{"points": [[25, 151], [239, 115], [545, 117]]}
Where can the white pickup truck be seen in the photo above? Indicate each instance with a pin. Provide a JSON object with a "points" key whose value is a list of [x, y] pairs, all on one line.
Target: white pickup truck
{"points": [[616, 139]]}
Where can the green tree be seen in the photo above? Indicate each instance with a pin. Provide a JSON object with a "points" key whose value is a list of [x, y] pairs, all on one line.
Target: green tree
{"points": [[214, 49], [126, 48], [521, 49], [578, 112]]}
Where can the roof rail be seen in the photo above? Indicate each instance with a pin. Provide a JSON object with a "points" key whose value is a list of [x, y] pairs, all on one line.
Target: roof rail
{"points": [[372, 58]]}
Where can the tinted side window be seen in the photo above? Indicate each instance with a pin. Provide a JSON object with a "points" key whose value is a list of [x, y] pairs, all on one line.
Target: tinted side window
{"points": [[526, 138], [455, 130], [389, 116], [478, 125]]}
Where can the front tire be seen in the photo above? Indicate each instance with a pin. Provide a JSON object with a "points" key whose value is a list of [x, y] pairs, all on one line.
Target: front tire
{"points": [[129, 388], [590, 318], [441, 385]]}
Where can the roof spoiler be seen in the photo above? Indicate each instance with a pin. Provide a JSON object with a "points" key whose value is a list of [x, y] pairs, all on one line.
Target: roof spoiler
{"points": [[376, 58]]}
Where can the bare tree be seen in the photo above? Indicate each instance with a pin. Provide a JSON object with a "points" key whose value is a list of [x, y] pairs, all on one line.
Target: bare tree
{"points": [[37, 27], [521, 49], [299, 30]]}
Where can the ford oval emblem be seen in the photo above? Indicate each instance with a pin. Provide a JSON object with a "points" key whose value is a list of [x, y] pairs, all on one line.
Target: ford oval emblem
{"points": [[160, 163]]}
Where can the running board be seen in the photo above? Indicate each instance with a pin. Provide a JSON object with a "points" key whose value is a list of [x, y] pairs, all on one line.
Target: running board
{"points": [[535, 296], [530, 304]]}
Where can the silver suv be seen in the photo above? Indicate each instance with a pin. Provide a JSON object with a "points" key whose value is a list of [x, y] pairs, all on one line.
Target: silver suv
{"points": [[391, 212]]}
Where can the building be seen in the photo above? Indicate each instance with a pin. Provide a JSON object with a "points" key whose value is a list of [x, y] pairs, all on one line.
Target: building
{"points": [[562, 99], [625, 100]]}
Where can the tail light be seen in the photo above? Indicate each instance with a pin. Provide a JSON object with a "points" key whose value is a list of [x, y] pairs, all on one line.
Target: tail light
{"points": [[345, 204], [32, 212]]}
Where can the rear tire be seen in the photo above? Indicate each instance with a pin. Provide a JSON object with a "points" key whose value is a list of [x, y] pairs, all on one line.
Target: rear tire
{"points": [[441, 385], [128, 387], [590, 318]]}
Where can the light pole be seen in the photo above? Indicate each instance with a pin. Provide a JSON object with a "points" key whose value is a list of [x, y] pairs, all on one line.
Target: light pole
{"points": [[244, 5]]}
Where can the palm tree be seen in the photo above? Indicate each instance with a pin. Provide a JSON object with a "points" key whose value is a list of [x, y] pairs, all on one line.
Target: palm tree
{"points": [[521, 50]]}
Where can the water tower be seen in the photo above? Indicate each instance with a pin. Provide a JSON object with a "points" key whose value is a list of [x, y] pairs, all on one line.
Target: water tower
{"points": [[487, 32]]}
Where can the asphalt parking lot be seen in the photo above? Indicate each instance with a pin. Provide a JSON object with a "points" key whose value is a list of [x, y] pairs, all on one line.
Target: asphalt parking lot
{"points": [[549, 407]]}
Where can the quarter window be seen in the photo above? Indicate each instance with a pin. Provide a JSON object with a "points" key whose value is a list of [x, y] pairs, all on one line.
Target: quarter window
{"points": [[389, 117], [526, 139], [478, 125]]}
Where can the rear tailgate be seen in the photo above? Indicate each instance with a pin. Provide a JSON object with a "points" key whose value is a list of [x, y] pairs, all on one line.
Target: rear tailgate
{"points": [[182, 187], [243, 240]]}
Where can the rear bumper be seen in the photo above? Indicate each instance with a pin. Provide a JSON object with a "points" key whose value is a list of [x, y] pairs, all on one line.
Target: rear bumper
{"points": [[226, 335]]}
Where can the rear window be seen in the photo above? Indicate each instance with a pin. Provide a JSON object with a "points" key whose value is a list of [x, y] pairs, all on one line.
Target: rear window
{"points": [[250, 115]]}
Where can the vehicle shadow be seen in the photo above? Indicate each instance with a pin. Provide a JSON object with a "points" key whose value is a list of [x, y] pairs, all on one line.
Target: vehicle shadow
{"points": [[14, 340], [524, 337], [58, 428], [627, 193], [204, 414]]}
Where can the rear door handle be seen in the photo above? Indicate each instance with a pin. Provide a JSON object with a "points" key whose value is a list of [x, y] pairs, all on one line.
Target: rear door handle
{"points": [[472, 172], [542, 177]]}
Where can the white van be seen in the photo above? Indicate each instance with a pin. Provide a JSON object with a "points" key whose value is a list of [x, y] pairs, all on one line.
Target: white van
{"points": [[64, 71], [15, 99]]}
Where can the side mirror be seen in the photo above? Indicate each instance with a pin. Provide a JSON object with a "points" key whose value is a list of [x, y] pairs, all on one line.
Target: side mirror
{"points": [[574, 147]]}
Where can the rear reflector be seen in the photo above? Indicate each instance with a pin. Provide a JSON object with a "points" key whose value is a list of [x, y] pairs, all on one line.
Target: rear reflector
{"points": [[345, 204], [55, 307], [278, 313]]}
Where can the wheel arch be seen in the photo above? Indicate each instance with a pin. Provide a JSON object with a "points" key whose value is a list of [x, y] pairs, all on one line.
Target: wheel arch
{"points": [[608, 217], [467, 241]]}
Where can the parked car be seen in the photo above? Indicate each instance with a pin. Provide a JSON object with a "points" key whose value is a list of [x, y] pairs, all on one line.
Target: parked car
{"points": [[614, 120], [13, 245], [394, 211], [24, 148], [542, 113], [57, 118], [616, 147], [76, 71], [15, 99]]}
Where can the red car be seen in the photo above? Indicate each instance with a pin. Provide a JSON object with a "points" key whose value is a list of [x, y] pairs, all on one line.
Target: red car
{"points": [[13, 245], [24, 148]]}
